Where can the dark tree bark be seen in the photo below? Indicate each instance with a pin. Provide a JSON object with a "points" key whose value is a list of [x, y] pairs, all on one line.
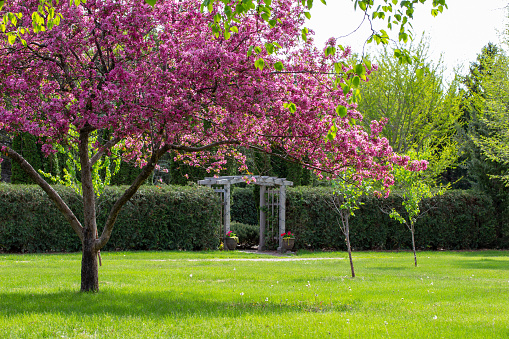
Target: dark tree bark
{"points": [[89, 264]]}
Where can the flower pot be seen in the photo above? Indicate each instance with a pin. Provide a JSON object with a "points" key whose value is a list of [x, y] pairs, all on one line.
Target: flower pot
{"points": [[288, 244], [231, 243]]}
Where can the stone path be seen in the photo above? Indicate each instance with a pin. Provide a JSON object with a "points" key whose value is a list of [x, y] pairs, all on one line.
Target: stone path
{"points": [[267, 259], [276, 257]]}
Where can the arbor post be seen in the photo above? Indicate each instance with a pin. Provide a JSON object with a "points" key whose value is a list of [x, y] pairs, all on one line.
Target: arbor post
{"points": [[227, 213], [282, 215], [261, 244]]}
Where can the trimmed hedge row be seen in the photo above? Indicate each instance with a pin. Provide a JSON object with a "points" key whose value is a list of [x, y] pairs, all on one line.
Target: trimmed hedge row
{"points": [[457, 220], [187, 218], [168, 218]]}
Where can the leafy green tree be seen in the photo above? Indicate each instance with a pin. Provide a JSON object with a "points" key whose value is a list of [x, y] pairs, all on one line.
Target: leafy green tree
{"points": [[477, 168], [125, 175], [5, 163], [488, 104], [420, 113], [412, 187], [483, 135], [25, 144]]}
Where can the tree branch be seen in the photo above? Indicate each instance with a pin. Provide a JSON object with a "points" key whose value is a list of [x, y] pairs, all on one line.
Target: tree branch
{"points": [[115, 210], [106, 147], [203, 148], [52, 194], [140, 179]]}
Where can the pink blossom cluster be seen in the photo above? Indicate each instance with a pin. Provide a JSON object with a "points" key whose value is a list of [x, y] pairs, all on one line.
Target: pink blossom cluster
{"points": [[157, 76]]}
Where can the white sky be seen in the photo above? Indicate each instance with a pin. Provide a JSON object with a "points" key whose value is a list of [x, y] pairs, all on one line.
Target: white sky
{"points": [[459, 33]]}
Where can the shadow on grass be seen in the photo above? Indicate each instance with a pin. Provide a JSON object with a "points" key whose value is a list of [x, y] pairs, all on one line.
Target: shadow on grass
{"points": [[483, 264], [485, 253], [153, 304], [392, 268]]}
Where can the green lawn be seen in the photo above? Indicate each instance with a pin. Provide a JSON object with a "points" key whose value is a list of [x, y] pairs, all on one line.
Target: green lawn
{"points": [[192, 295]]}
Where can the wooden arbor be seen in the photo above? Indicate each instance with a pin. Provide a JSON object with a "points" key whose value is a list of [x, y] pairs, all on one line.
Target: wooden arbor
{"points": [[264, 182]]}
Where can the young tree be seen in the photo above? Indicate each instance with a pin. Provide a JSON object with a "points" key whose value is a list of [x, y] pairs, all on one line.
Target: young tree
{"points": [[158, 80], [412, 187], [345, 200]]}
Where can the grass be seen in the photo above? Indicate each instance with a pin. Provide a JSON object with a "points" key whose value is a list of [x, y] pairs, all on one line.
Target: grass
{"points": [[191, 295]]}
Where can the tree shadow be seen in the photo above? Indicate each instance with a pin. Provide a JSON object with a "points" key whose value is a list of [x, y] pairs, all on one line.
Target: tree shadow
{"points": [[485, 253], [483, 264], [153, 304]]}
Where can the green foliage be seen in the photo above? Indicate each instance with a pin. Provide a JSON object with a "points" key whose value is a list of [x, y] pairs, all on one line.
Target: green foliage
{"points": [[483, 137], [170, 217], [102, 170], [291, 171], [413, 187], [421, 114], [347, 193], [244, 207], [125, 175], [28, 146], [482, 173], [45, 18], [188, 218], [249, 235], [494, 117]]}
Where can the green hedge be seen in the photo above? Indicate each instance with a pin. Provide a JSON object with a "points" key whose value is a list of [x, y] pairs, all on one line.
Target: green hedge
{"points": [[187, 218], [458, 220], [168, 218], [244, 208], [249, 235]]}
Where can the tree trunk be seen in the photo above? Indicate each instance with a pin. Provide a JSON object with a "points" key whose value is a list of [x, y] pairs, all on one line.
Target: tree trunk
{"points": [[89, 264], [347, 235], [412, 229]]}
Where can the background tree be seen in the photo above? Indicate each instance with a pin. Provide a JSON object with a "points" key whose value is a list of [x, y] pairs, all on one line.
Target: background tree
{"points": [[422, 115], [483, 132], [5, 163], [494, 144], [159, 79], [26, 144], [482, 116]]}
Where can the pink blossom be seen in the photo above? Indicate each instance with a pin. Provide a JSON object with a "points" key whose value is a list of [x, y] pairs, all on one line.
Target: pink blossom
{"points": [[158, 77]]}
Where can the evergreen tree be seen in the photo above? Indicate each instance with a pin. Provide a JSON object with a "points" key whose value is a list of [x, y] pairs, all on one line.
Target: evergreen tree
{"points": [[484, 131]]}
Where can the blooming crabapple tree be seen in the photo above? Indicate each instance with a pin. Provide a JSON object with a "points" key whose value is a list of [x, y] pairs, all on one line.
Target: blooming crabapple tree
{"points": [[157, 80]]}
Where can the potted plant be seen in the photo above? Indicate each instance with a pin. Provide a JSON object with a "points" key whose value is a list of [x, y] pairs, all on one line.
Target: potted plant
{"points": [[288, 240], [231, 240]]}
